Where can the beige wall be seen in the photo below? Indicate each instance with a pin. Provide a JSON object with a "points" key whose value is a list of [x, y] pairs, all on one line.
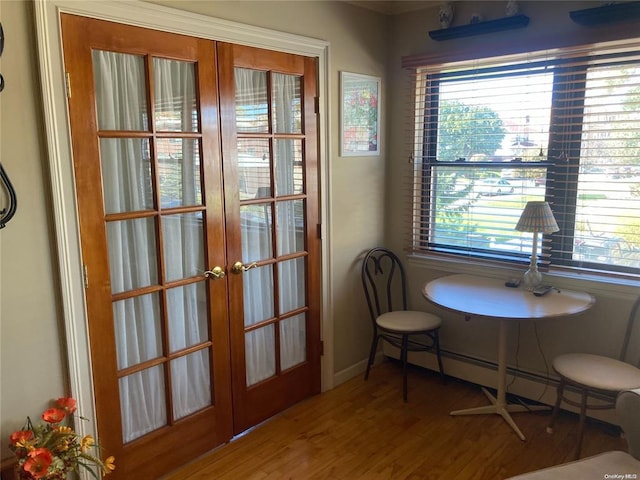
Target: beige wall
{"points": [[31, 354], [31, 337]]}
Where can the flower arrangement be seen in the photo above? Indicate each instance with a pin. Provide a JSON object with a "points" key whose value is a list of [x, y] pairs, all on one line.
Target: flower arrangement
{"points": [[50, 450]]}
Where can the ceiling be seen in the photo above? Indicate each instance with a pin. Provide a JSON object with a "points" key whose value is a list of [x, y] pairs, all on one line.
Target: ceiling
{"points": [[395, 7]]}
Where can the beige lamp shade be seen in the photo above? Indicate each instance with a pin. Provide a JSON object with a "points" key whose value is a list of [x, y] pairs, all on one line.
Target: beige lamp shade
{"points": [[537, 217]]}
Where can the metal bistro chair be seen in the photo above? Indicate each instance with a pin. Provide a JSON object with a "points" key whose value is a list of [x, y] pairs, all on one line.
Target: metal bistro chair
{"points": [[384, 282], [595, 374]]}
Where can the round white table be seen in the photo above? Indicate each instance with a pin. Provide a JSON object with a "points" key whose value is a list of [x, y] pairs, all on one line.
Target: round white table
{"points": [[475, 296]]}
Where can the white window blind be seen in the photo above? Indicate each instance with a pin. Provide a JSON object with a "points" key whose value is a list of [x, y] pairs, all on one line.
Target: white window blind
{"points": [[488, 135]]}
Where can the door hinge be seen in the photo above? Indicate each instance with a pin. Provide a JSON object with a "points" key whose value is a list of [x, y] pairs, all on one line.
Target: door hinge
{"points": [[85, 276], [316, 104], [319, 230], [67, 81]]}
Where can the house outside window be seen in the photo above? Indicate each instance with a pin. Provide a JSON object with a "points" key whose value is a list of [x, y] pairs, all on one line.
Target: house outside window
{"points": [[493, 134]]}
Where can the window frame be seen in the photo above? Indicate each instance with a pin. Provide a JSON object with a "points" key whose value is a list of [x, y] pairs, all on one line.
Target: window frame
{"points": [[565, 98]]}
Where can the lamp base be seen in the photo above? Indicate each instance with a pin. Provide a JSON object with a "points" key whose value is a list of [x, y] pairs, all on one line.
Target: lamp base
{"points": [[531, 278]]}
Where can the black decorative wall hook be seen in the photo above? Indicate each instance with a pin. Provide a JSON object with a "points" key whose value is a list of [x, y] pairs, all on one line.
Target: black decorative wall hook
{"points": [[6, 213], [1, 49]]}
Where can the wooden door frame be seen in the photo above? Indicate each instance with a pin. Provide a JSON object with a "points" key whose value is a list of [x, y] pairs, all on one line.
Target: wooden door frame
{"points": [[71, 287]]}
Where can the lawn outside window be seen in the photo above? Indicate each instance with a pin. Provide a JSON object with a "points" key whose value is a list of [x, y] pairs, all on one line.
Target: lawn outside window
{"points": [[492, 134]]}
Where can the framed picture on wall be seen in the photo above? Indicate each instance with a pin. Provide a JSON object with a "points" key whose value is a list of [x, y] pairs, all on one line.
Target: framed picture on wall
{"points": [[359, 115]]}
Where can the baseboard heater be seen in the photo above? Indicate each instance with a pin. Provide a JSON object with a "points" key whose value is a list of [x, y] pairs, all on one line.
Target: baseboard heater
{"points": [[532, 386]]}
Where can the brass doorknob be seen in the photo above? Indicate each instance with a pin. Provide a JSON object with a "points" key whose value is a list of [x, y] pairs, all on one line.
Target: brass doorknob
{"points": [[215, 272], [240, 267]]}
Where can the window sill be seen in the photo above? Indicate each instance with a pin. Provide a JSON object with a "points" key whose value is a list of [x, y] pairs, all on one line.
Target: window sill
{"points": [[573, 280]]}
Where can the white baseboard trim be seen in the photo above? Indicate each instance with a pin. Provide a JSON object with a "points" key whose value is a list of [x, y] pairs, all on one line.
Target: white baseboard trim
{"points": [[355, 370]]}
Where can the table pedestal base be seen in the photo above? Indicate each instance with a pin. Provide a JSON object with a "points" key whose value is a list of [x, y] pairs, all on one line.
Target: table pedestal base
{"points": [[502, 409]]}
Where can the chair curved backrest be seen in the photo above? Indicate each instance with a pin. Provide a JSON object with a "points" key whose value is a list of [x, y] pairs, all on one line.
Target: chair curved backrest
{"points": [[384, 282], [629, 330]]}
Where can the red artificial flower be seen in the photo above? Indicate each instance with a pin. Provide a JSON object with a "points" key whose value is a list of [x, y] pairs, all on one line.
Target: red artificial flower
{"points": [[20, 437], [68, 404], [54, 415], [38, 462]]}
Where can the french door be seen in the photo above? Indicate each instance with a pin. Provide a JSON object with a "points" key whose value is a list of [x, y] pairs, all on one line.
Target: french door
{"points": [[196, 177], [270, 164]]}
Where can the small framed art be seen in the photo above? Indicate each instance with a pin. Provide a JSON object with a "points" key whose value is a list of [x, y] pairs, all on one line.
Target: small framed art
{"points": [[359, 115]]}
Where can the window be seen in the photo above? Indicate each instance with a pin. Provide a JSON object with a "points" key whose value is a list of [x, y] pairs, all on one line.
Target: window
{"points": [[563, 127]]}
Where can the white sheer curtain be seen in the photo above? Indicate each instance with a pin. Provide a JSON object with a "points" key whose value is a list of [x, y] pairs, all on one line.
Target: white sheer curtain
{"points": [[175, 102], [260, 354], [290, 220], [127, 186]]}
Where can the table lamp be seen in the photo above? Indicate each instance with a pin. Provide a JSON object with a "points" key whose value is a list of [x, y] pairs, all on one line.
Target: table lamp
{"points": [[536, 217]]}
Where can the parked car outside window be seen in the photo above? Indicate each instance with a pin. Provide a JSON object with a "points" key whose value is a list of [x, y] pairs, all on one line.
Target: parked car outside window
{"points": [[494, 186]]}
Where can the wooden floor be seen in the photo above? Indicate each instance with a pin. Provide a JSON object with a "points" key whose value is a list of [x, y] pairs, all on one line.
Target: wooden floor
{"points": [[363, 430]]}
